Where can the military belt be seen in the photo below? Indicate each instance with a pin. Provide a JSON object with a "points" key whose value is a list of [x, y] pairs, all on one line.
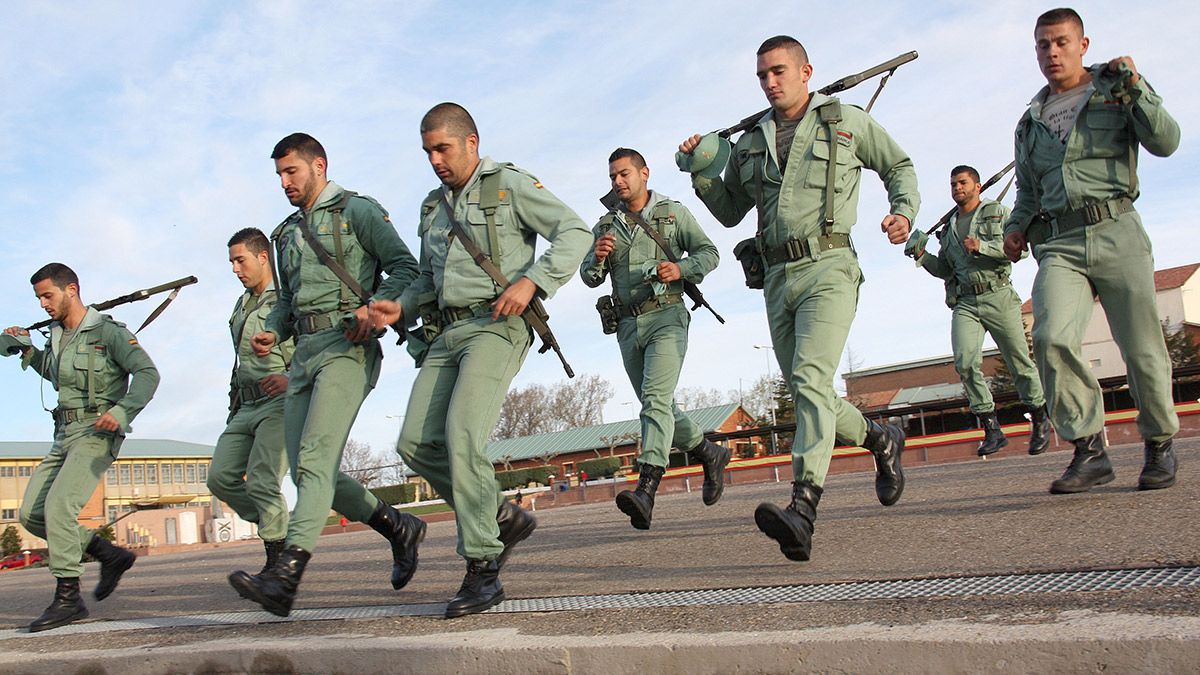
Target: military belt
{"points": [[1091, 214], [796, 249], [626, 311], [64, 416], [312, 323], [454, 314], [251, 394], [983, 287]]}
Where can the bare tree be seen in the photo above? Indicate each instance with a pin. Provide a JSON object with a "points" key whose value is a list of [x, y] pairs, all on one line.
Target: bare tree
{"points": [[360, 463], [693, 398], [757, 400], [538, 409]]}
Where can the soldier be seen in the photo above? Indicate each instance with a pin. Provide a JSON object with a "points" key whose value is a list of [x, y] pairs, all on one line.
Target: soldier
{"points": [[647, 312], [478, 339], [802, 256], [104, 379], [979, 291], [249, 461], [1076, 151], [336, 361]]}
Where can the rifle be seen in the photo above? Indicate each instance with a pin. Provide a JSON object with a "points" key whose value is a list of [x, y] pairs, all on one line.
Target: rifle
{"points": [[990, 182], [843, 84], [172, 286]]}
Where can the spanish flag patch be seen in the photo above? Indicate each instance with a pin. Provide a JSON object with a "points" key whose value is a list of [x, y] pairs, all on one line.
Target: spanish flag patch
{"points": [[538, 184], [133, 341]]}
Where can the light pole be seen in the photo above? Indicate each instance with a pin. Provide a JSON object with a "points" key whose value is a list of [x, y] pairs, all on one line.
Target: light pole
{"points": [[770, 392]]}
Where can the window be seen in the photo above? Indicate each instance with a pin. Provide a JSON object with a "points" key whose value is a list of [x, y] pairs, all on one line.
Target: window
{"points": [[178, 473], [191, 473], [112, 513], [152, 474], [112, 476], [8, 514], [139, 474], [25, 471], [203, 473], [1095, 363], [123, 470], [7, 472]]}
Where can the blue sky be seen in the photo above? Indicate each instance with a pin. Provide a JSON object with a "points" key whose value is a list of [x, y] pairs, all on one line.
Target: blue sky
{"points": [[135, 138]]}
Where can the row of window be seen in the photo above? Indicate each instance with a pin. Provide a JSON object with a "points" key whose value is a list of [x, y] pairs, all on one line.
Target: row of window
{"points": [[8, 514], [148, 474], [15, 471]]}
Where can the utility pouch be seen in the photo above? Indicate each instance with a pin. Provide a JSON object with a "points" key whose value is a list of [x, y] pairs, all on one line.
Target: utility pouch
{"points": [[235, 397], [431, 321], [748, 254], [608, 314]]}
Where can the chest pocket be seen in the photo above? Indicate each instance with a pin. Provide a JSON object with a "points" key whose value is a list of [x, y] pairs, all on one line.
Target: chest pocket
{"points": [[93, 370], [1107, 129], [819, 163], [489, 209]]}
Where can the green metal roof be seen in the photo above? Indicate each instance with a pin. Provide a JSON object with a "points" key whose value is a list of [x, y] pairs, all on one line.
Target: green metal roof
{"points": [[131, 448], [589, 438]]}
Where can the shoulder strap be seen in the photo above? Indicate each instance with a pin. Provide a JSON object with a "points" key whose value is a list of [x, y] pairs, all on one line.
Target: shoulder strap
{"points": [[348, 281], [758, 151], [489, 201], [337, 211], [237, 343], [654, 234], [831, 114]]}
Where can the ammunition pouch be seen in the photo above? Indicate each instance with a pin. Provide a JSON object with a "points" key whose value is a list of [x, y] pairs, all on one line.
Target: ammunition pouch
{"points": [[748, 255], [608, 314], [431, 321]]}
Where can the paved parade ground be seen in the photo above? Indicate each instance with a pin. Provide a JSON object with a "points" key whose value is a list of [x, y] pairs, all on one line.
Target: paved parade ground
{"points": [[587, 593]]}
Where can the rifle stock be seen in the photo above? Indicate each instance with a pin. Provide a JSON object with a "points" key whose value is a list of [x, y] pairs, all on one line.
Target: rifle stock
{"points": [[129, 297]]}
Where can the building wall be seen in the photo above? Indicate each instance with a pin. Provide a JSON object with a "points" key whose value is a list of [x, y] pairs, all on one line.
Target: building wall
{"points": [[938, 373]]}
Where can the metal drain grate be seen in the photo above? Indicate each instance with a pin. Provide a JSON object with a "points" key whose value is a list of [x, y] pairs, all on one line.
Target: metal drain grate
{"points": [[1008, 584]]}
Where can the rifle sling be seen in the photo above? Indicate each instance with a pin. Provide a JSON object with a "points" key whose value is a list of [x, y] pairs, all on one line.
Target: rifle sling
{"points": [[327, 260], [692, 290]]}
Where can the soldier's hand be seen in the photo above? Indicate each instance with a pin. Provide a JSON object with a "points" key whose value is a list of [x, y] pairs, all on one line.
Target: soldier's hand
{"points": [[1115, 65], [262, 343], [107, 423], [274, 385], [971, 244], [668, 272], [605, 245], [361, 329], [1014, 245], [514, 299], [384, 313], [689, 144], [896, 226], [16, 331]]}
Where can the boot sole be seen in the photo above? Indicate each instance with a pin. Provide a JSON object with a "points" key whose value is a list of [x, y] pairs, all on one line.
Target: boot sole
{"points": [[1038, 451], [630, 508], [521, 536], [721, 481], [247, 590], [1057, 489], [775, 527], [455, 612], [1156, 486], [998, 448], [125, 567], [82, 614], [401, 583]]}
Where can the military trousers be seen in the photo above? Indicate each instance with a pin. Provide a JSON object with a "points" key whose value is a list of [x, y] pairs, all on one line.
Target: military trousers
{"points": [[1113, 262], [454, 405], [61, 485], [328, 381], [810, 306], [997, 312], [653, 346], [248, 465]]}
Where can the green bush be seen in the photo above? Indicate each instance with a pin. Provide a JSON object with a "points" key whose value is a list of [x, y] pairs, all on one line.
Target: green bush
{"points": [[519, 478], [396, 494], [602, 466], [10, 541]]}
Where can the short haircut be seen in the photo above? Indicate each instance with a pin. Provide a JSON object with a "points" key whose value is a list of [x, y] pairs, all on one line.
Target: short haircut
{"points": [[1060, 15], [254, 240], [784, 42], [449, 116], [60, 274], [963, 168], [300, 143], [639, 162]]}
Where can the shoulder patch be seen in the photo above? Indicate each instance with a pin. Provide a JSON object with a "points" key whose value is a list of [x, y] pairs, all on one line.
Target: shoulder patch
{"points": [[537, 184], [133, 341]]}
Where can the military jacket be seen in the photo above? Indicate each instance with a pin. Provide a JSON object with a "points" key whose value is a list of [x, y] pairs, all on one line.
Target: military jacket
{"points": [[370, 247], [1098, 162], [793, 204], [962, 270], [526, 210], [248, 319], [634, 250], [94, 368]]}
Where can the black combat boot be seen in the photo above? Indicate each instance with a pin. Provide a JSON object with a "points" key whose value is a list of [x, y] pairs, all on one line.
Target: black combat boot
{"points": [[480, 589], [273, 549], [1089, 467], [274, 589], [1039, 431], [792, 527], [715, 458], [114, 561], [66, 607], [886, 443], [1159, 470], [516, 524], [638, 503], [993, 437], [406, 532]]}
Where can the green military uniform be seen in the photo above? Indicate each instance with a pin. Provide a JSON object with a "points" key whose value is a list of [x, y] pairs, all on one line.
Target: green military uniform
{"points": [[91, 370], [812, 272], [249, 461], [980, 293], [330, 377], [458, 393], [1094, 245], [653, 330]]}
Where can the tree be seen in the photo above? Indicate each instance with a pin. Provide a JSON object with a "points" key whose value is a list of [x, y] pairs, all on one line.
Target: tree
{"points": [[10, 541], [1183, 351], [757, 400], [693, 398], [360, 463], [539, 409]]}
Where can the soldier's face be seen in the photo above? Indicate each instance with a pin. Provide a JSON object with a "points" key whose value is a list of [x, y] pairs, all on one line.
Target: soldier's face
{"points": [[301, 179], [784, 80], [1060, 50], [452, 157], [963, 188], [628, 181], [56, 301], [249, 268]]}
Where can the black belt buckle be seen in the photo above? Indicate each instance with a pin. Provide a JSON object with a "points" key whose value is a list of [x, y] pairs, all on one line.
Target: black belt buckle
{"points": [[1094, 213], [795, 249]]}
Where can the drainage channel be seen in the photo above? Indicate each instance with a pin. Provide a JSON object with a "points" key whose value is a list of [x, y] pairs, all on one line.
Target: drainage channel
{"points": [[943, 587]]}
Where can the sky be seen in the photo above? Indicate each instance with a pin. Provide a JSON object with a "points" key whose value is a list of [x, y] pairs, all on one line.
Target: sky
{"points": [[135, 139]]}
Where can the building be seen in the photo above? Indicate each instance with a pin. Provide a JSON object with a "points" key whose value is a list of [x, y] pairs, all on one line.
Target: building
{"points": [[164, 478]]}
